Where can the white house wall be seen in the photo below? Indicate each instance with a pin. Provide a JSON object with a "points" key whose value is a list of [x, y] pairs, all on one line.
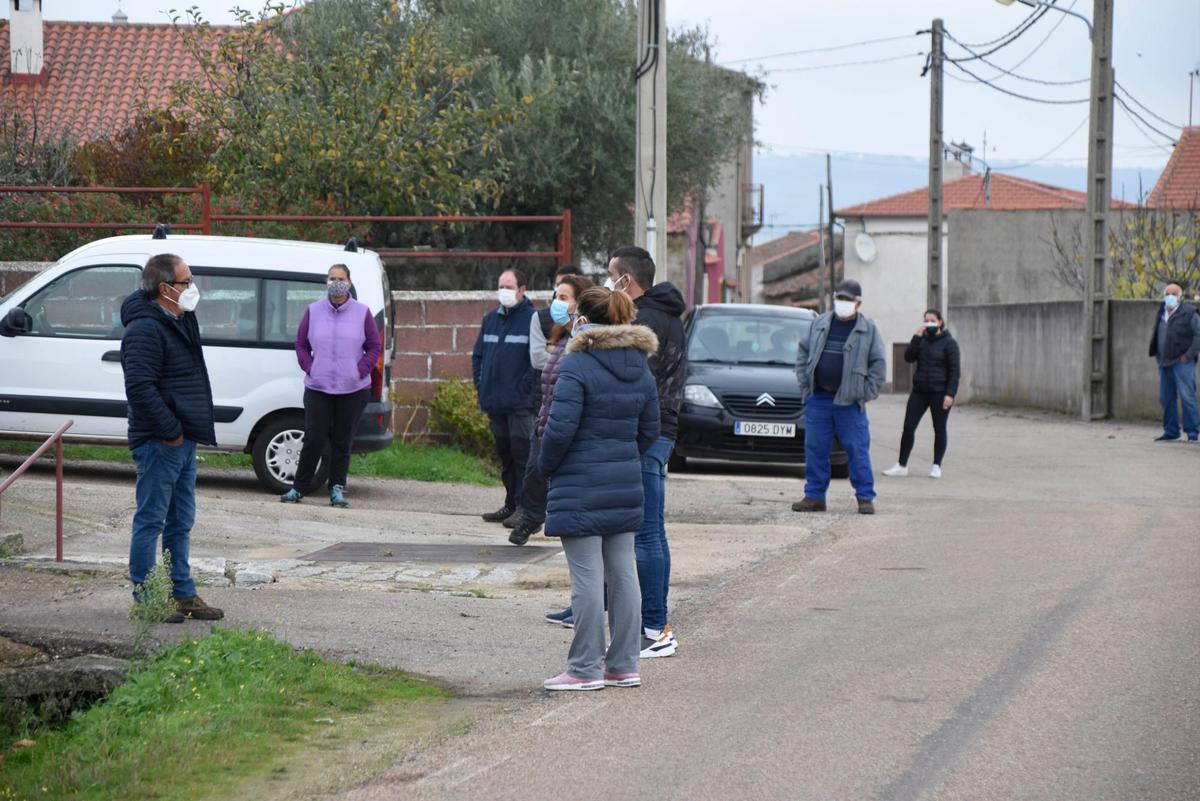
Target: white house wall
{"points": [[894, 283]]}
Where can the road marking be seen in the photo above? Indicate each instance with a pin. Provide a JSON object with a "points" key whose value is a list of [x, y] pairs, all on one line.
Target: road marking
{"points": [[428, 777], [491, 765], [560, 715]]}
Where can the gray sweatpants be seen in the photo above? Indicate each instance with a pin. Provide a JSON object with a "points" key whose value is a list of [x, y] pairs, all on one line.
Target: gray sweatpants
{"points": [[592, 561]]}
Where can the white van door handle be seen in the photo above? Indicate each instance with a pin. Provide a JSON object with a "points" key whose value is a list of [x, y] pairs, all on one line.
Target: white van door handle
{"points": [[111, 356]]}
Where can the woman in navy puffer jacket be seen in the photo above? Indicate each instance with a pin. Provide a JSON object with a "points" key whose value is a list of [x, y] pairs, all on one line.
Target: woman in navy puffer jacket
{"points": [[604, 416]]}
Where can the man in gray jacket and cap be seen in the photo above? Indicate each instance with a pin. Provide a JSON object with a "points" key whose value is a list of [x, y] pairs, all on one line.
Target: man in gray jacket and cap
{"points": [[842, 364]]}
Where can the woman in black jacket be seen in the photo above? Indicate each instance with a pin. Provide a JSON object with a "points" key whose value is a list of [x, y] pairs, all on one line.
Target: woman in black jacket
{"points": [[935, 383]]}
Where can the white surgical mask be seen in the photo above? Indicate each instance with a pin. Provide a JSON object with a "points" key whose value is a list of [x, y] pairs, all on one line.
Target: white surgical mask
{"points": [[189, 298], [507, 297], [619, 285], [609, 285], [1171, 301], [843, 308]]}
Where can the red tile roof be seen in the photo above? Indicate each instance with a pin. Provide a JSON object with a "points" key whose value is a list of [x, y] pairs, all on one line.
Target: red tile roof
{"points": [[767, 252], [96, 74], [1179, 185], [1007, 193]]}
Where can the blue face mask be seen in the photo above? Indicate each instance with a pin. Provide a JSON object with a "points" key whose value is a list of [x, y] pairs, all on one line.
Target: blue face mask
{"points": [[559, 313], [1171, 301]]}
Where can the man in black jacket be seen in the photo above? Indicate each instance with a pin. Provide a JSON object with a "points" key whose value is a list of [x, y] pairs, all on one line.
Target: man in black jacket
{"points": [[170, 405], [1175, 342], [659, 307]]}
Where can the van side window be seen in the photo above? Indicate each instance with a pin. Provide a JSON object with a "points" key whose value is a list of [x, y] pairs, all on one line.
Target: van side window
{"points": [[228, 310], [285, 304], [84, 304]]}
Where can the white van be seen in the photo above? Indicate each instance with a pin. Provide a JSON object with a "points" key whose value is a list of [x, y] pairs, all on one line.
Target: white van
{"points": [[60, 340]]}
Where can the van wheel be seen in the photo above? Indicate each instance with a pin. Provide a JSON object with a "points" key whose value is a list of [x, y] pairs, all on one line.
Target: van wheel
{"points": [[276, 454]]}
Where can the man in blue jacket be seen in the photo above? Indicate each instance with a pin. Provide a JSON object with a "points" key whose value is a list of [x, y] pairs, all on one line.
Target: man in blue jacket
{"points": [[503, 378], [1175, 343], [170, 412], [841, 366]]}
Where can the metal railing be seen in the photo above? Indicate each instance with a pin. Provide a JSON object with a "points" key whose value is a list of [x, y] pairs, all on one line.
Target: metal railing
{"points": [[56, 440], [209, 219]]}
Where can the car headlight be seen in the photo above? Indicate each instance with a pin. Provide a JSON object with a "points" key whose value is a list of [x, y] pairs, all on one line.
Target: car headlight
{"points": [[700, 395]]}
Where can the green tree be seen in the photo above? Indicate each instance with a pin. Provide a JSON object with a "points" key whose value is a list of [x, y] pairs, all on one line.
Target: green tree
{"points": [[570, 64], [372, 117]]}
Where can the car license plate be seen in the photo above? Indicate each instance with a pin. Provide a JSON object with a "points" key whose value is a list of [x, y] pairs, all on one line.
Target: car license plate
{"points": [[746, 428]]}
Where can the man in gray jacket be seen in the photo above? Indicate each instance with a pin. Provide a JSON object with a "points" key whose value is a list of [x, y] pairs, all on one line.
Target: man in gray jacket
{"points": [[841, 365]]}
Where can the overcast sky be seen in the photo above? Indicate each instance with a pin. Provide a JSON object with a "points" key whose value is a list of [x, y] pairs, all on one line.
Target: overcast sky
{"points": [[882, 108]]}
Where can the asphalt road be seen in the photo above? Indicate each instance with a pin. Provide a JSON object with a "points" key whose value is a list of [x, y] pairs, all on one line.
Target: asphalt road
{"points": [[1025, 628]]}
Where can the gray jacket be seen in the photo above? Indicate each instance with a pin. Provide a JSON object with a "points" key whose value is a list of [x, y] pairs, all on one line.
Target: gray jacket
{"points": [[864, 369]]}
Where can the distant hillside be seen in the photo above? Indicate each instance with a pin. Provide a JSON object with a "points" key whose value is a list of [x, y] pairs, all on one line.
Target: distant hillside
{"points": [[791, 184]]}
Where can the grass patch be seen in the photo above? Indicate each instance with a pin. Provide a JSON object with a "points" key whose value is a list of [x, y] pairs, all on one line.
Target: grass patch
{"points": [[399, 460], [205, 716]]}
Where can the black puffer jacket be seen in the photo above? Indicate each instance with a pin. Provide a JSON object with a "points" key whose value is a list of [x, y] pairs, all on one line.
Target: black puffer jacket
{"points": [[937, 363], [166, 382], [659, 309]]}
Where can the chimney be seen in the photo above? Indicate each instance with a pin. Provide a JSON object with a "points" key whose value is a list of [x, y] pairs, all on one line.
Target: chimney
{"points": [[25, 43]]}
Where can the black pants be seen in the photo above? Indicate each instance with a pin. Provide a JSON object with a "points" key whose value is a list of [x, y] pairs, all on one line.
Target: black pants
{"points": [[533, 489], [329, 420], [512, 432], [918, 402]]}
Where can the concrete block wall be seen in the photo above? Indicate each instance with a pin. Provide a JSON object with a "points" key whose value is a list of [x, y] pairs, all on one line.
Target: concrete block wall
{"points": [[15, 273], [435, 334]]}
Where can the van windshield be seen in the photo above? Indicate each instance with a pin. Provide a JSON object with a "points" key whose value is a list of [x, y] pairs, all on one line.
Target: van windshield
{"points": [[747, 339]]}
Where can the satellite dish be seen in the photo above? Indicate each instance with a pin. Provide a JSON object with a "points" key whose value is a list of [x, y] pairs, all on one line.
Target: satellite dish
{"points": [[864, 246]]}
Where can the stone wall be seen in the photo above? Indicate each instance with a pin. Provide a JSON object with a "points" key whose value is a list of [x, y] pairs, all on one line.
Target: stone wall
{"points": [[15, 273]]}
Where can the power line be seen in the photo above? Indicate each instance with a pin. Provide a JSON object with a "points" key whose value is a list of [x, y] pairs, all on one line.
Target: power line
{"points": [[1015, 34], [1140, 130], [1034, 13], [1016, 94], [1061, 19], [1009, 72], [1132, 113], [863, 43], [846, 63], [1052, 150], [1143, 107]]}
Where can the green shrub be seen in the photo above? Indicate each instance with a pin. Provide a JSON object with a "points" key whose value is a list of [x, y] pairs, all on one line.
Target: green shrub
{"points": [[455, 411]]}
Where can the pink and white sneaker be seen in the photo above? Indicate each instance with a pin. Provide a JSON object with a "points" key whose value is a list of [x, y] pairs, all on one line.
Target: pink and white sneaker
{"points": [[565, 681], [622, 679]]}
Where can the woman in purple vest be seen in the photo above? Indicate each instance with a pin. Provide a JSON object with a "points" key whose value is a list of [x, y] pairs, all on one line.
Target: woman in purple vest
{"points": [[337, 344]]}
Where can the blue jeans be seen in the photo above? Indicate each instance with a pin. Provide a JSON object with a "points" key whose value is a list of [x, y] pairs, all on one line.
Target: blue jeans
{"points": [[1176, 385], [166, 507], [650, 545], [822, 419]]}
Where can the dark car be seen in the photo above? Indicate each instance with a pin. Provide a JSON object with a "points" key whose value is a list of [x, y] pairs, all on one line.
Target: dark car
{"points": [[742, 402]]}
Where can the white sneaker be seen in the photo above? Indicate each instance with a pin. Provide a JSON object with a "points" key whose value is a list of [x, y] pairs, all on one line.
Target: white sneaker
{"points": [[896, 470], [664, 645], [935, 472]]}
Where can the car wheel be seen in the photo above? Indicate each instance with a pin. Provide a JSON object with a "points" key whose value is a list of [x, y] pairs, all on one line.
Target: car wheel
{"points": [[840, 470], [676, 463], [276, 454]]}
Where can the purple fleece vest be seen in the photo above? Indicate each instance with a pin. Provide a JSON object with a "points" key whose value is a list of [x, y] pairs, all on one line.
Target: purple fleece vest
{"points": [[336, 337]]}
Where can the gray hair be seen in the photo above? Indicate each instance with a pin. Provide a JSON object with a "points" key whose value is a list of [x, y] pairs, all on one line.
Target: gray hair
{"points": [[159, 269]]}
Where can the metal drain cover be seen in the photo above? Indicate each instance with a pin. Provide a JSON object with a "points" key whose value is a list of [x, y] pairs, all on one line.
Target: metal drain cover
{"points": [[463, 553]]}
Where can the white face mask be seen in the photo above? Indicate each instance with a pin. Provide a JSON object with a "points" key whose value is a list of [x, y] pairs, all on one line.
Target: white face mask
{"points": [[843, 308], [188, 298], [1171, 301], [620, 285], [507, 297]]}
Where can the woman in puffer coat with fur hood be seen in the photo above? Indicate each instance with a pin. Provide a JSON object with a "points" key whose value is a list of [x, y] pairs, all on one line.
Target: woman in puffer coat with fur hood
{"points": [[604, 416]]}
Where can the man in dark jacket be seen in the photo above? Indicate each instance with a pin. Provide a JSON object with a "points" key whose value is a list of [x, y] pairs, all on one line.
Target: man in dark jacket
{"points": [[659, 307], [503, 378], [170, 412], [1175, 342]]}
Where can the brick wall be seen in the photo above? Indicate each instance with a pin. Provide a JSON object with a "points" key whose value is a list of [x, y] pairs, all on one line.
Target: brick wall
{"points": [[435, 334]]}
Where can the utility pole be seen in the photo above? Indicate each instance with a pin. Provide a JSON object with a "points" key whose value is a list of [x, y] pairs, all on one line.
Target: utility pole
{"points": [[832, 241], [698, 296], [933, 299], [650, 195], [1191, 83], [821, 300], [1096, 372]]}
